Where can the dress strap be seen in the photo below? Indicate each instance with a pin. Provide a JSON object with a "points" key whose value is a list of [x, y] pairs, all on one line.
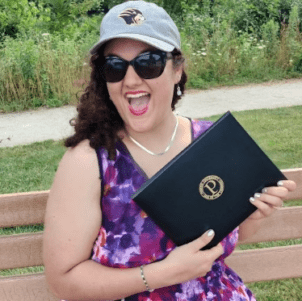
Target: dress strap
{"points": [[99, 152]]}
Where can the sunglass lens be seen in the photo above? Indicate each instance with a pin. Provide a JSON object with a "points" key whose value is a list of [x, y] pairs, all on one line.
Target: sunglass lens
{"points": [[150, 65], [114, 69]]}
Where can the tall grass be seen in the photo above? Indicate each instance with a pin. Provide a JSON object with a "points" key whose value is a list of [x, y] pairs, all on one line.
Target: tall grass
{"points": [[41, 69], [225, 56]]}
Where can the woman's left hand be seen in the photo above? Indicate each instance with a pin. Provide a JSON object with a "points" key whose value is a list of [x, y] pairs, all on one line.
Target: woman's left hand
{"points": [[270, 199]]}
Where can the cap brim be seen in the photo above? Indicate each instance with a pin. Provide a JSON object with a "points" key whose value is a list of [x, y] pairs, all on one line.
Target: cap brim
{"points": [[150, 41]]}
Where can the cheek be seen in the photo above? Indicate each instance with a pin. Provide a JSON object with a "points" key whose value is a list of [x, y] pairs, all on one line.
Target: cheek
{"points": [[112, 90], [163, 91]]}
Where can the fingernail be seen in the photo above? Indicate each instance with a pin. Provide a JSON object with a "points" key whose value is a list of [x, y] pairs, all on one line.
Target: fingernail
{"points": [[264, 190], [252, 199], [211, 232], [257, 195], [280, 183]]}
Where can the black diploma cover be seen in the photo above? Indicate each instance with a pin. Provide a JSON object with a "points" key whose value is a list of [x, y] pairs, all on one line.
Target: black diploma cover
{"points": [[208, 185]]}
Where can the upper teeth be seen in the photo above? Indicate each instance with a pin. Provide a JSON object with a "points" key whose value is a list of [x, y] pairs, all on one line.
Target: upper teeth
{"points": [[137, 95]]}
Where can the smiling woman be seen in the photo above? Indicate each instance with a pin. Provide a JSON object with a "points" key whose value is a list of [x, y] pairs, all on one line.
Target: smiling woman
{"points": [[143, 97], [98, 243]]}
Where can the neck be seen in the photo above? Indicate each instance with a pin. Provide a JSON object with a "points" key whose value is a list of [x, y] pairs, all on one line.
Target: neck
{"points": [[158, 138]]}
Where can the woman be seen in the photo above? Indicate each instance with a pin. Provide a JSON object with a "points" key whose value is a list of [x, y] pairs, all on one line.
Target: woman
{"points": [[126, 131]]}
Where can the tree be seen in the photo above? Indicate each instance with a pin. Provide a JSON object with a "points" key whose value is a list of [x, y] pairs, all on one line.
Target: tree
{"points": [[16, 16]]}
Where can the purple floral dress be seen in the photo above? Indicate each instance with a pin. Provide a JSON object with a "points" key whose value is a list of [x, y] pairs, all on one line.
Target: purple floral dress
{"points": [[129, 238]]}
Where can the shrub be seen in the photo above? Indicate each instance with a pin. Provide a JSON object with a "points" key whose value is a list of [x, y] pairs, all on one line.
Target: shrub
{"points": [[36, 69]]}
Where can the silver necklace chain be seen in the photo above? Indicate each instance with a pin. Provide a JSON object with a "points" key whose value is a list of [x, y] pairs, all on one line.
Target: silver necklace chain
{"points": [[167, 148]]}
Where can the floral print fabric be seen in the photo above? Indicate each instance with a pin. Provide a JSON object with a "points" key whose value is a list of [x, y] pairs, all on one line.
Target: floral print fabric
{"points": [[129, 238]]}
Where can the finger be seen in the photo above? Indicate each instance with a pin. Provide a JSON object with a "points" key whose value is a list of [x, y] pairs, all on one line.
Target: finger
{"points": [[269, 199], [280, 192], [217, 251], [288, 184], [285, 184], [264, 208], [202, 241]]}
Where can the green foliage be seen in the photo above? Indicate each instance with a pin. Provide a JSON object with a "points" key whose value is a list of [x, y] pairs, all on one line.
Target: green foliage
{"points": [[17, 16], [45, 44], [251, 15], [25, 16], [270, 33], [41, 70], [65, 12]]}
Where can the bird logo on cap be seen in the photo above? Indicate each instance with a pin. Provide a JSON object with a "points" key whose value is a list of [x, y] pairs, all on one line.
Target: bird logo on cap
{"points": [[132, 16]]}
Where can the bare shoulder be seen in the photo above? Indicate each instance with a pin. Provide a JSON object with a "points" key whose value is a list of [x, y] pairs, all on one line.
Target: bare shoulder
{"points": [[81, 156], [77, 174]]}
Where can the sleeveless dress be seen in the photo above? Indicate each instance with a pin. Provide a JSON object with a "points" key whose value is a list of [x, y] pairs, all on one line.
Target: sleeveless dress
{"points": [[129, 238]]}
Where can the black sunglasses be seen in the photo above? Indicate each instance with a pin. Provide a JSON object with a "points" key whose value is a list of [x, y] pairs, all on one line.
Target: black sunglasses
{"points": [[147, 65]]}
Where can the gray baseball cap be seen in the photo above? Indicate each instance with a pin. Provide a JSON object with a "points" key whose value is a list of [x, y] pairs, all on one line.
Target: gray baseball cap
{"points": [[142, 21]]}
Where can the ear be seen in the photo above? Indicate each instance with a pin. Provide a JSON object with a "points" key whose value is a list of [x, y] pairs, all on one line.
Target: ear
{"points": [[178, 74]]}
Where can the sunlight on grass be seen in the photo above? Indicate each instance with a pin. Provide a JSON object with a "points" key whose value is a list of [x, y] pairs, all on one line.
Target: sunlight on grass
{"points": [[23, 271], [278, 290], [29, 167]]}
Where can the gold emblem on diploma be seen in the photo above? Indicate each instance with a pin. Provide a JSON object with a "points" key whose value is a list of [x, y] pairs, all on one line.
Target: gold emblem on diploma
{"points": [[211, 187]]}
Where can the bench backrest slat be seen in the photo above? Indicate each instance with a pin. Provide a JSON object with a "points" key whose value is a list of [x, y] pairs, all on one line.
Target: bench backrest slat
{"points": [[286, 223], [26, 249], [267, 264], [23, 250], [29, 208], [20, 209], [25, 288]]}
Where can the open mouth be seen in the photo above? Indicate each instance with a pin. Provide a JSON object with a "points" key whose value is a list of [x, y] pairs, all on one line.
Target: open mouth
{"points": [[138, 103]]}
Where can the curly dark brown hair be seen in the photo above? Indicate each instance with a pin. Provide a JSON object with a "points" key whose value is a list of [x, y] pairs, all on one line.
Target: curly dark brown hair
{"points": [[98, 120]]}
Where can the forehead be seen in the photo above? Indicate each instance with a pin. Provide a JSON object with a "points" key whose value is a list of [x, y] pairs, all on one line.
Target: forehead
{"points": [[126, 48]]}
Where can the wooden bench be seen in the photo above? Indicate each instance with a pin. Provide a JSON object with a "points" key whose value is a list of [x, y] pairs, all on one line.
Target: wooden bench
{"points": [[25, 250]]}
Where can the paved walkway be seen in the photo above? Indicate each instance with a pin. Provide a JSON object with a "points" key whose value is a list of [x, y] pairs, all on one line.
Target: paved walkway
{"points": [[44, 124]]}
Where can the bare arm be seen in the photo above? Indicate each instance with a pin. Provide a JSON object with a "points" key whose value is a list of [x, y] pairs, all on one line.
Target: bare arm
{"points": [[267, 203], [72, 222]]}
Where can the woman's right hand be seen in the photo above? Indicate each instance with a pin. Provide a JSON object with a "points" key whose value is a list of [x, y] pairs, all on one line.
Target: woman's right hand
{"points": [[189, 262]]}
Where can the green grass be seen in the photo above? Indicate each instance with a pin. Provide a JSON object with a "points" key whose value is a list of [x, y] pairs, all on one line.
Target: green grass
{"points": [[21, 229], [22, 271], [270, 244], [277, 131], [279, 290], [29, 167]]}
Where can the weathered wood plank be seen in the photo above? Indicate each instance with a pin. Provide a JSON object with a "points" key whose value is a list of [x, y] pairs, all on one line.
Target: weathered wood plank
{"points": [[29, 207], [26, 249], [22, 250], [25, 288], [25, 208], [285, 223], [267, 264]]}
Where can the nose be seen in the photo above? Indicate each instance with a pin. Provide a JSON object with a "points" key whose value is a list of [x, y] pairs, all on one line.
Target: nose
{"points": [[131, 78]]}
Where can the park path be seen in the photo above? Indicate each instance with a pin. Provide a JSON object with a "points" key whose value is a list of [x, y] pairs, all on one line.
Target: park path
{"points": [[43, 124]]}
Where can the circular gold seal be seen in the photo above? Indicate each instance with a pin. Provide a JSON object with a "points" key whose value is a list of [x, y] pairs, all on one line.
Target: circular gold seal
{"points": [[211, 187]]}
